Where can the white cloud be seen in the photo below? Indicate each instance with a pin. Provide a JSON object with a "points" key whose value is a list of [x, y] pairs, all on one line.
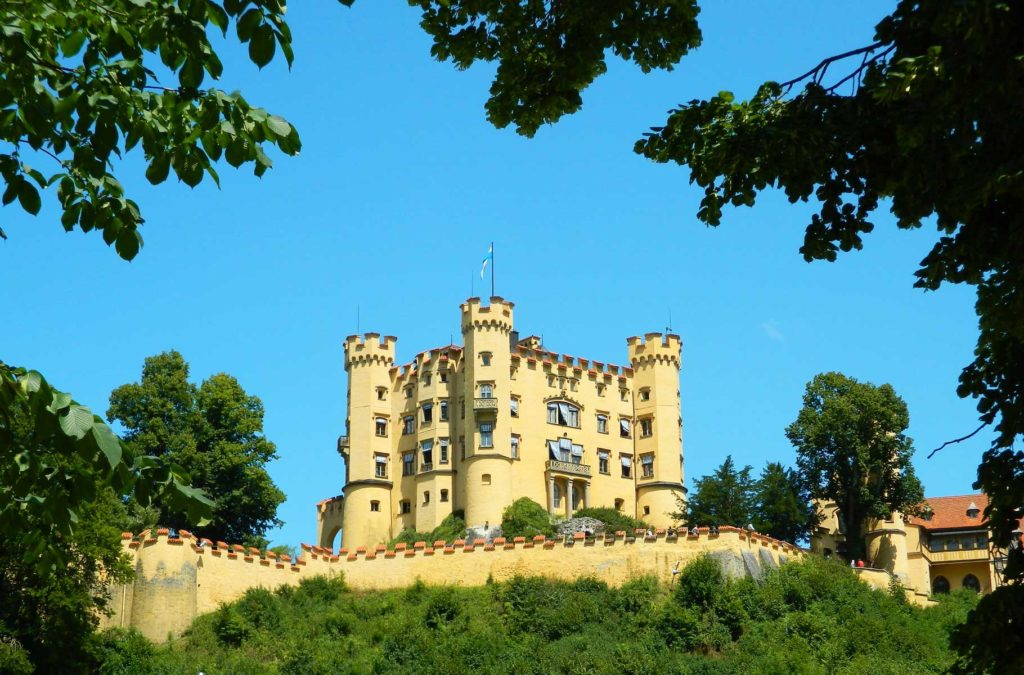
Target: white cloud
{"points": [[771, 329]]}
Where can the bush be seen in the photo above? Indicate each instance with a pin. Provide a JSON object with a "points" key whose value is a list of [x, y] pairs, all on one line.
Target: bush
{"points": [[230, 627], [123, 651], [613, 519], [451, 528], [526, 518], [13, 657]]}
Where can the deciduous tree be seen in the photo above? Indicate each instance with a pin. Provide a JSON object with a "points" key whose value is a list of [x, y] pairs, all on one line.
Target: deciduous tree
{"points": [[852, 449], [215, 431]]}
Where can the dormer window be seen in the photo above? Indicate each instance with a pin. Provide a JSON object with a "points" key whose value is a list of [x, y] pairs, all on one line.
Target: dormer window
{"points": [[973, 511]]}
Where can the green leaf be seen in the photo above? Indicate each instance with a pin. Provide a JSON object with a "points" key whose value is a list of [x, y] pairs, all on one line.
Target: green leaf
{"points": [[279, 126], [76, 421], [128, 243], [158, 169], [108, 444], [28, 195], [262, 45], [71, 45]]}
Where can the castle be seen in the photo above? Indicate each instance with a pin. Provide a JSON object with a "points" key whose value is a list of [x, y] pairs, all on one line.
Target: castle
{"points": [[944, 549], [473, 428]]}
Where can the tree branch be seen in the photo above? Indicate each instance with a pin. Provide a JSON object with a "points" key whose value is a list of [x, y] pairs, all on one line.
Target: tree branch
{"points": [[818, 71], [957, 440]]}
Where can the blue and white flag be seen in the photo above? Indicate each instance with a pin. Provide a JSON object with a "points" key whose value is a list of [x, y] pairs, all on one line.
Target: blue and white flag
{"points": [[487, 259]]}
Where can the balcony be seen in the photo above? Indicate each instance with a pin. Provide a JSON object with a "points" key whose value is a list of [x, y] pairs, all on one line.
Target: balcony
{"points": [[343, 446], [426, 466], [485, 405], [965, 555], [568, 467]]}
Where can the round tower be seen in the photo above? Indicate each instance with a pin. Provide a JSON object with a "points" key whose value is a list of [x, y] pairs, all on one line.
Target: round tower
{"points": [[886, 544], [367, 516], [658, 426], [485, 479]]}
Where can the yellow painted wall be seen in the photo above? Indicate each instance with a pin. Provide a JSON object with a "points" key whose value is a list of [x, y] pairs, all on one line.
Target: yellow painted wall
{"points": [[178, 579], [482, 481]]}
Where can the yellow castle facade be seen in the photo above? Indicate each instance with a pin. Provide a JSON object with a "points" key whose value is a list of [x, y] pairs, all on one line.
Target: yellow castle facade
{"points": [[474, 427]]}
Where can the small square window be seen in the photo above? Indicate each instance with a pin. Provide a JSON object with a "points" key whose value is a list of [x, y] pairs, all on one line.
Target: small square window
{"points": [[600, 390], [444, 495], [382, 393], [380, 466], [426, 497], [375, 506], [381, 426], [647, 510], [408, 392], [624, 394], [444, 378], [645, 394], [485, 358], [426, 380], [405, 505]]}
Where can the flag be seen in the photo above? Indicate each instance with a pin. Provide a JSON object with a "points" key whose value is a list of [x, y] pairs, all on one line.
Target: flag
{"points": [[487, 258]]}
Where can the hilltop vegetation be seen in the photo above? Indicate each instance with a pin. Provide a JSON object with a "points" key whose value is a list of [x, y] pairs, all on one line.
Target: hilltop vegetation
{"points": [[813, 616]]}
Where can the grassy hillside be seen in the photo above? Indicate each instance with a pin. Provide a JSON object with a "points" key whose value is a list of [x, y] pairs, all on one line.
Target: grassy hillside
{"points": [[810, 617]]}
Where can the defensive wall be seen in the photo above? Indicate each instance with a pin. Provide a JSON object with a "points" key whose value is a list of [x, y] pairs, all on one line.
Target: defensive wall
{"points": [[179, 578]]}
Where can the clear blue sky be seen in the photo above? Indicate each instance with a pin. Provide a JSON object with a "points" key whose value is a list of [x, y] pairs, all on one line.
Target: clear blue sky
{"points": [[399, 188]]}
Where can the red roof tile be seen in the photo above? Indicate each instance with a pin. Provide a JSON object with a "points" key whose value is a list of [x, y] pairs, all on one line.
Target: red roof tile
{"points": [[951, 512]]}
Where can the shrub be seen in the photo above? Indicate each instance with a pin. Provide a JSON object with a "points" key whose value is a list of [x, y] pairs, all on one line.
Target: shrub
{"points": [[613, 519], [451, 528], [230, 627], [13, 657], [526, 518], [700, 583], [123, 651]]}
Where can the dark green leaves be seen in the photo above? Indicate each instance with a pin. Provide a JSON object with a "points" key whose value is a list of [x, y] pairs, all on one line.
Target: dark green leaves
{"points": [[78, 91], [549, 52]]}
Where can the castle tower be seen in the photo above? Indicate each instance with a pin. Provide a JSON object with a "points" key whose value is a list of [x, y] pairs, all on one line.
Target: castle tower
{"points": [[369, 463], [886, 545], [485, 478], [658, 425]]}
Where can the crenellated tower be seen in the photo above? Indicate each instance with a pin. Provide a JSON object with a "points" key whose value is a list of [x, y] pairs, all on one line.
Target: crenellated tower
{"points": [[658, 425], [485, 478], [367, 504]]}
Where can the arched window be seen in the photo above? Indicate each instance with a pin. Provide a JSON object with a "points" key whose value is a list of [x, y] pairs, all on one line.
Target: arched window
{"points": [[563, 414], [940, 585], [971, 582]]}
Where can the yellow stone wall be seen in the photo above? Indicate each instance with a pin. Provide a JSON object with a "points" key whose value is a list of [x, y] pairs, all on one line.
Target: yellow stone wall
{"points": [[179, 579], [482, 480]]}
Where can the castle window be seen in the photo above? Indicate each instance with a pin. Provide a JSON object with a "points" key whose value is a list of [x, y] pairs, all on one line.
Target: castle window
{"points": [[408, 464], [485, 479], [485, 358], [563, 414], [573, 384], [940, 585], [551, 380], [426, 497], [515, 447], [444, 377], [647, 464], [486, 391], [624, 394], [577, 454], [426, 379], [444, 411], [486, 435], [602, 461], [647, 510], [428, 413], [645, 394], [409, 423], [973, 511], [381, 393], [408, 392], [444, 450], [600, 390], [624, 427], [514, 404], [444, 495], [602, 424], [564, 450], [557, 496], [381, 426], [375, 506], [646, 427], [627, 466], [619, 503], [427, 451], [405, 506], [380, 466], [971, 582]]}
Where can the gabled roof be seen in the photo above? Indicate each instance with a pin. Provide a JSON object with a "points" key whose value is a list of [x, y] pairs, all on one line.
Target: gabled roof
{"points": [[950, 513]]}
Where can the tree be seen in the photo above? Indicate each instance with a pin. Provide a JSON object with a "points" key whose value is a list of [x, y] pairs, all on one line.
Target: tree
{"points": [[724, 498], [46, 606], [781, 507], [852, 450], [526, 518], [215, 431]]}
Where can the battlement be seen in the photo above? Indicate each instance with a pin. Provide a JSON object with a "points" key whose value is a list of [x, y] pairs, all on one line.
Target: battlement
{"points": [[654, 348], [179, 578], [566, 362], [498, 315], [369, 349]]}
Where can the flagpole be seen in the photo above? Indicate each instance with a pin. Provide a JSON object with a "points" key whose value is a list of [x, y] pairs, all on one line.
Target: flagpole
{"points": [[492, 269]]}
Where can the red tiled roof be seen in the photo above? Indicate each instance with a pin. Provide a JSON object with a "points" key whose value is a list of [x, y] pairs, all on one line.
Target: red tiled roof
{"points": [[951, 512]]}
